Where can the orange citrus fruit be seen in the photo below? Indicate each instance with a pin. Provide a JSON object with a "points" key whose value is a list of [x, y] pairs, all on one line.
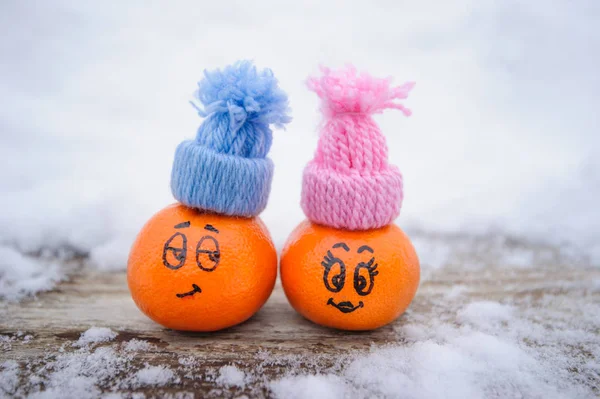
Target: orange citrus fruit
{"points": [[197, 271], [350, 280]]}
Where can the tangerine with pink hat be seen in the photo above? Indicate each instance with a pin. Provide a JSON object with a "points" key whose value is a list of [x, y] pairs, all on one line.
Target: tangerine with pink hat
{"points": [[348, 266]]}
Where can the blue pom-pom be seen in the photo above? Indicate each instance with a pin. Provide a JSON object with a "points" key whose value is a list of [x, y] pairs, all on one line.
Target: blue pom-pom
{"points": [[245, 94]]}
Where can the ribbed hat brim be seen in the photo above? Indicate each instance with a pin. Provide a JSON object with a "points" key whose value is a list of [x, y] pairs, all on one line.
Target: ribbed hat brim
{"points": [[230, 185], [354, 201]]}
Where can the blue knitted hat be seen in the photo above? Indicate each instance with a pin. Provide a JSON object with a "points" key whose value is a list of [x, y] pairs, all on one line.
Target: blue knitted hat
{"points": [[225, 169]]}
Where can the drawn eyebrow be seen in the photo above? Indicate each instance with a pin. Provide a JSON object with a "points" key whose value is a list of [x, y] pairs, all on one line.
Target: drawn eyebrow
{"points": [[365, 248], [182, 225], [210, 227], [342, 245]]}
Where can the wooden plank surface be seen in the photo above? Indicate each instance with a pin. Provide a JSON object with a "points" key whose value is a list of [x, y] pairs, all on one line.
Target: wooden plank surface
{"points": [[276, 338]]}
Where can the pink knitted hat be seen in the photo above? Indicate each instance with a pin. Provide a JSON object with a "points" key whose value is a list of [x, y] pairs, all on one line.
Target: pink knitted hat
{"points": [[349, 183]]}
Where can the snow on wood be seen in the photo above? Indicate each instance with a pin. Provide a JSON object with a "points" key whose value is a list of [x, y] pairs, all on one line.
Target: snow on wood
{"points": [[95, 335], [484, 323]]}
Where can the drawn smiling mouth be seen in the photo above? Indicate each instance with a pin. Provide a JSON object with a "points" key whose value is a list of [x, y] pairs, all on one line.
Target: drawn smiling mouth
{"points": [[346, 306], [190, 293]]}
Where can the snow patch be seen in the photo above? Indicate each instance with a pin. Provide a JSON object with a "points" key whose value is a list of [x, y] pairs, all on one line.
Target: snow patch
{"points": [[78, 374], [22, 276], [466, 364], [112, 255], [156, 376], [85, 373], [485, 313], [231, 376], [9, 377], [310, 387], [95, 335], [433, 254], [138, 345], [495, 350]]}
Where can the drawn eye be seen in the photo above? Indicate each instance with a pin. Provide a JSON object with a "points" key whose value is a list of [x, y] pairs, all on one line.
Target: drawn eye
{"points": [[364, 276], [208, 254], [334, 274], [175, 251]]}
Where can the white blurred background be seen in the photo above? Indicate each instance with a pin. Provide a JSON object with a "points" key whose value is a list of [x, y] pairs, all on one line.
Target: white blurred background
{"points": [[504, 134]]}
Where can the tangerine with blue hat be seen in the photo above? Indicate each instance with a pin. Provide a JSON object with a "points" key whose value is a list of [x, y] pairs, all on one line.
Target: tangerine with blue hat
{"points": [[208, 262]]}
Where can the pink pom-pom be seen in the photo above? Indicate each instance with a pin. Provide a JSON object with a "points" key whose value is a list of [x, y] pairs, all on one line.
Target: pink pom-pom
{"points": [[347, 91]]}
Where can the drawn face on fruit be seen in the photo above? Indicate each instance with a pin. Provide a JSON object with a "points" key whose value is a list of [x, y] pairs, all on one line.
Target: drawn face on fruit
{"points": [[352, 280], [360, 277], [207, 254], [192, 270]]}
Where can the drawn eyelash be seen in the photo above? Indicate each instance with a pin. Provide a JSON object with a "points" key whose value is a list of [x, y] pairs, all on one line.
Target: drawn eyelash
{"points": [[372, 267], [334, 282], [328, 260], [362, 284]]}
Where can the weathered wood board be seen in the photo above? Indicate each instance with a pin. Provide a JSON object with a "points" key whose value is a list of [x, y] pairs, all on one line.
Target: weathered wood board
{"points": [[56, 319]]}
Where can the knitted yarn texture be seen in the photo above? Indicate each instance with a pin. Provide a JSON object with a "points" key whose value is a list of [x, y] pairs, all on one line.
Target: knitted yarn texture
{"points": [[225, 169], [349, 183]]}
